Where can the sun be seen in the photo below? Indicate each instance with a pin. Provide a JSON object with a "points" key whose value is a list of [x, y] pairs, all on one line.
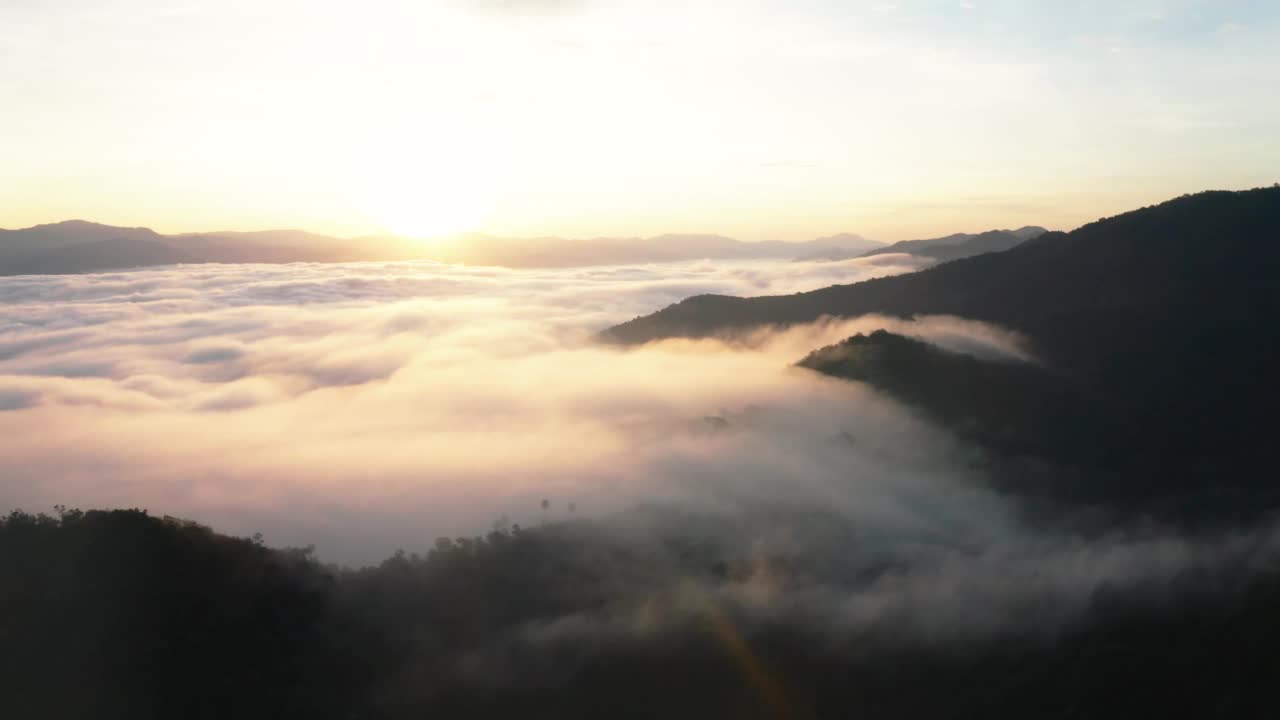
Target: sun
{"points": [[429, 193], [428, 207]]}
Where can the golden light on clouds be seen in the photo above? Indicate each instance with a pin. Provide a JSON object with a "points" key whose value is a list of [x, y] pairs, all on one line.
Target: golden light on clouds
{"points": [[305, 396]]}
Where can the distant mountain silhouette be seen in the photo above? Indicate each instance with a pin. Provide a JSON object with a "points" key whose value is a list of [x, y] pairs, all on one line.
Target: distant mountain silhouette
{"points": [[69, 232], [562, 252], [951, 247], [961, 245], [78, 246], [1168, 312], [116, 252]]}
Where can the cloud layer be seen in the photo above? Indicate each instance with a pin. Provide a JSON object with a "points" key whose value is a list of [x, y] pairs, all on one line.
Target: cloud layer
{"points": [[366, 407]]}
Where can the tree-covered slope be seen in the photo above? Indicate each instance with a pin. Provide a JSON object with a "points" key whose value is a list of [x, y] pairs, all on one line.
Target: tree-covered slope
{"points": [[1211, 249], [1168, 312], [122, 615]]}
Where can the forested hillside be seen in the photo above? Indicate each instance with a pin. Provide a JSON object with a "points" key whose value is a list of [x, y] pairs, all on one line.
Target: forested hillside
{"points": [[123, 615]]}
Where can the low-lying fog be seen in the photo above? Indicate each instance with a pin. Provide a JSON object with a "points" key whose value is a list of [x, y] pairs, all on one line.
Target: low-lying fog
{"points": [[368, 407], [364, 407]]}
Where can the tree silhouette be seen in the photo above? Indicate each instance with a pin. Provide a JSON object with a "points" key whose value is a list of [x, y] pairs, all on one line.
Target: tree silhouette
{"points": [[123, 615]]}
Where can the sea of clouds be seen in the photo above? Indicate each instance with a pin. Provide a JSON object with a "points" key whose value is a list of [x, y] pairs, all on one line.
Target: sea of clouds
{"points": [[373, 406], [367, 406]]}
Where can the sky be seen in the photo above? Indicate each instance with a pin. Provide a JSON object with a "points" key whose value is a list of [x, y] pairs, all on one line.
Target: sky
{"points": [[584, 118]]}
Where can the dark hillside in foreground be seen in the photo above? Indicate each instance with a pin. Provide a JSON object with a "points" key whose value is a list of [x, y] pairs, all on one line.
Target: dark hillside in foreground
{"points": [[120, 615], [1169, 312], [109, 615]]}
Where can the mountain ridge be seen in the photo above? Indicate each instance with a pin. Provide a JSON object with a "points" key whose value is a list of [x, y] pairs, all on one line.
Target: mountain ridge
{"points": [[31, 250], [941, 249], [960, 245], [1167, 312], [897, 295]]}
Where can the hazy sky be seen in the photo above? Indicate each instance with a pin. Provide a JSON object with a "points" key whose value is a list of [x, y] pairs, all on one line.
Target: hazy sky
{"points": [[610, 117]]}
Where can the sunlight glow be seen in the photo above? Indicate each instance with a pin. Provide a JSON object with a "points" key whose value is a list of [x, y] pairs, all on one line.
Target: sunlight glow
{"points": [[418, 190], [757, 120]]}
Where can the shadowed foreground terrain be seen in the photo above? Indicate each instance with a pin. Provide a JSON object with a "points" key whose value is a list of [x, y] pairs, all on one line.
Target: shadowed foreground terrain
{"points": [[122, 615]]}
